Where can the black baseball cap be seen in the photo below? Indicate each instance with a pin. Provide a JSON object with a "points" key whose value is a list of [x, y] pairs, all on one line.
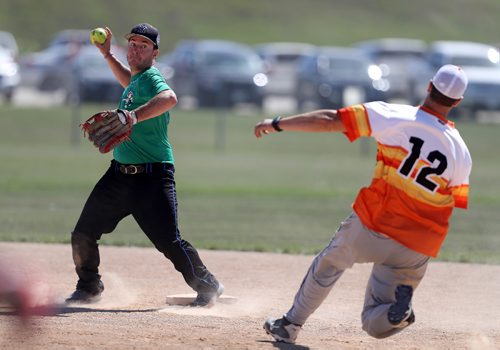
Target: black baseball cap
{"points": [[147, 31]]}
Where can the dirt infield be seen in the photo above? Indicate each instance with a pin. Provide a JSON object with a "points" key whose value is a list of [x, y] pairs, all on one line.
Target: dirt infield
{"points": [[457, 306]]}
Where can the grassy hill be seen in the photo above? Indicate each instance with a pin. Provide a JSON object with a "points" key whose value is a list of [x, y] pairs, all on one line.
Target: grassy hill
{"points": [[325, 22]]}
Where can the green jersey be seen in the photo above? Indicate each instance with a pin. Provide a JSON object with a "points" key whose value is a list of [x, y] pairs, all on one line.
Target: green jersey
{"points": [[148, 141]]}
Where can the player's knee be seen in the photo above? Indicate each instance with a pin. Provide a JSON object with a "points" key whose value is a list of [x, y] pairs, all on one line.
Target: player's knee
{"points": [[372, 331], [379, 335], [370, 324], [377, 329], [327, 277], [324, 272]]}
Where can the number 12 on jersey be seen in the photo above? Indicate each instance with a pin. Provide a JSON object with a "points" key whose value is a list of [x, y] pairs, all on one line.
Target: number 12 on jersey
{"points": [[422, 177]]}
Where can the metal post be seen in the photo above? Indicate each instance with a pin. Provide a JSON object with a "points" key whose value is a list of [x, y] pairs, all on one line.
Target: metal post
{"points": [[220, 121], [76, 108], [220, 130], [365, 146]]}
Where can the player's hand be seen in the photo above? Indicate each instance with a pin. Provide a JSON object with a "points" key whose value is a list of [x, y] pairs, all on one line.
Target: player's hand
{"points": [[264, 127], [106, 46]]}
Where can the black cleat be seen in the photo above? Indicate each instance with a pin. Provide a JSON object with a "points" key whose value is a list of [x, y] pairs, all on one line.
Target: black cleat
{"points": [[208, 298], [401, 313], [84, 296]]}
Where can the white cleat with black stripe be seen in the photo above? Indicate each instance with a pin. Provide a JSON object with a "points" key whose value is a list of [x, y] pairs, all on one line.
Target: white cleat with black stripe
{"points": [[282, 330]]}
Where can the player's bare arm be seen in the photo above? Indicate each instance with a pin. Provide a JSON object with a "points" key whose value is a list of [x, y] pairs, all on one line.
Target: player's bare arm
{"points": [[121, 72], [159, 104], [323, 120]]}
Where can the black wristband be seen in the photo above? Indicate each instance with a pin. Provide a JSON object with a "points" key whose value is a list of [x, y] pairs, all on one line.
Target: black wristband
{"points": [[275, 124]]}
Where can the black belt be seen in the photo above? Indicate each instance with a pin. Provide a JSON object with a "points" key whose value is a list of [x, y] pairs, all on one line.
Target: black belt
{"points": [[133, 169]]}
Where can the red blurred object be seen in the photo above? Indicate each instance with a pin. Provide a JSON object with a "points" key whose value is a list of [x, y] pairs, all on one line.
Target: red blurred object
{"points": [[24, 295]]}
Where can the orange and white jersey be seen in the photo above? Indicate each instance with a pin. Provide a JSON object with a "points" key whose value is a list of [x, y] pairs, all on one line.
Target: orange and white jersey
{"points": [[422, 173]]}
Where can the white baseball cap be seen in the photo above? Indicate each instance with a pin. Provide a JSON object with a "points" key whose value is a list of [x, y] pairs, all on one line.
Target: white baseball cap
{"points": [[451, 81]]}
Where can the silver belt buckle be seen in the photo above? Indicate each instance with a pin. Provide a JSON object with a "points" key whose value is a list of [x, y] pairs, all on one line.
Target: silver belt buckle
{"points": [[132, 167]]}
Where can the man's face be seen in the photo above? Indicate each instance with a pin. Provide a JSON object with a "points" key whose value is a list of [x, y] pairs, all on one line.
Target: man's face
{"points": [[141, 53]]}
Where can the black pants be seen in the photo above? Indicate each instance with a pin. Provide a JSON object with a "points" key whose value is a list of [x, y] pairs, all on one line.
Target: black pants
{"points": [[150, 197]]}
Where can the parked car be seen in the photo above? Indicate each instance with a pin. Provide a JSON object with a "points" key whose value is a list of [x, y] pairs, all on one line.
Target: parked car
{"points": [[8, 42], [282, 61], [48, 70], [9, 74], [481, 63], [334, 77], [79, 37], [165, 64], [399, 60], [218, 73], [91, 79]]}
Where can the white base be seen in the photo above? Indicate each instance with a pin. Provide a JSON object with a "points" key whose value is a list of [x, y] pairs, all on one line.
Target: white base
{"points": [[186, 299]]}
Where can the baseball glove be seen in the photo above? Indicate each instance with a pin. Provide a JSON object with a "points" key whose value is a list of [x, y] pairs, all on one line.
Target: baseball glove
{"points": [[108, 129]]}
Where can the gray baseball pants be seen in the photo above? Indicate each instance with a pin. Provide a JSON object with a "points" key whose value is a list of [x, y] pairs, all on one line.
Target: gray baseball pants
{"points": [[393, 264]]}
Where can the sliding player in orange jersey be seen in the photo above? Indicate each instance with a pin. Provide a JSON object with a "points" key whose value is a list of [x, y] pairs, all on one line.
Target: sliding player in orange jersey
{"points": [[398, 222]]}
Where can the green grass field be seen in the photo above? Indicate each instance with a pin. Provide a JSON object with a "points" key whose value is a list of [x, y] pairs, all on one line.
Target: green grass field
{"points": [[283, 193], [320, 22]]}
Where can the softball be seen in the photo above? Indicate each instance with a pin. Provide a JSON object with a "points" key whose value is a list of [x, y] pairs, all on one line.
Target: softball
{"points": [[98, 35]]}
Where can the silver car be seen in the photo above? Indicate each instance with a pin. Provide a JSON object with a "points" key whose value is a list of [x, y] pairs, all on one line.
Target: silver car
{"points": [[400, 60], [481, 63], [8, 42], [282, 60], [9, 74]]}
